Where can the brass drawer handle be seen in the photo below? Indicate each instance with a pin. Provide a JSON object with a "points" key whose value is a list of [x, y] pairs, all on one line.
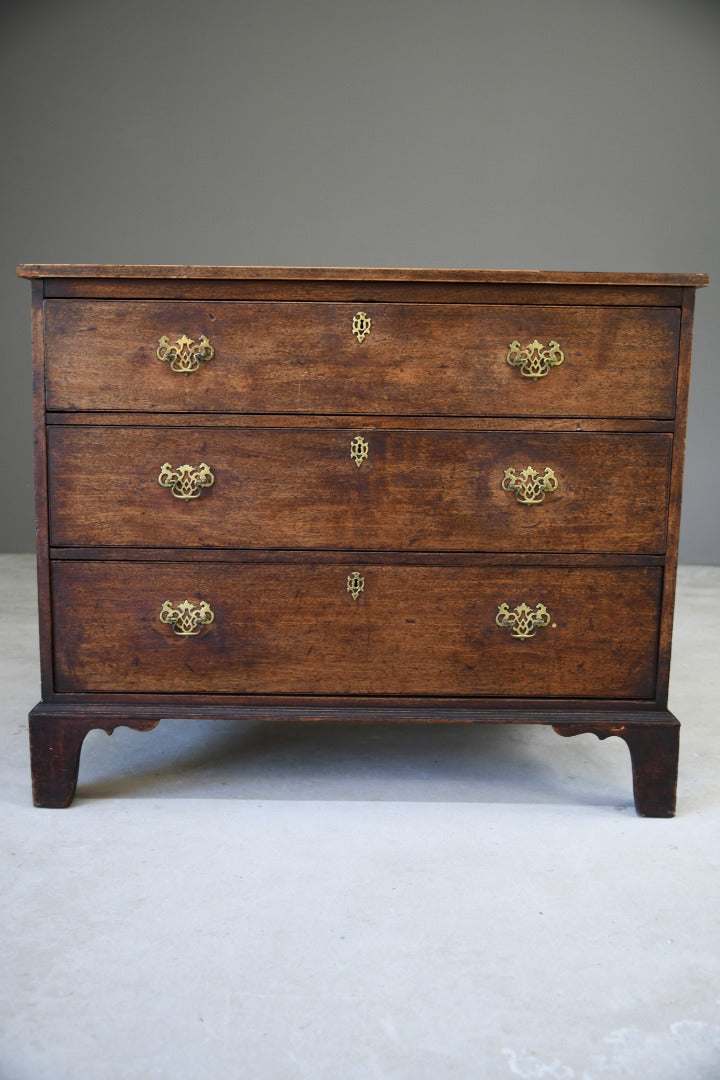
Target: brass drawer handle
{"points": [[361, 326], [186, 619], [530, 486], [187, 481], [535, 359], [355, 584], [522, 621], [359, 450], [185, 354]]}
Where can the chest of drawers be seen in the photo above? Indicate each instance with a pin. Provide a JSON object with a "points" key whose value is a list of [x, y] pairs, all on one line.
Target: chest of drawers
{"points": [[389, 495]]}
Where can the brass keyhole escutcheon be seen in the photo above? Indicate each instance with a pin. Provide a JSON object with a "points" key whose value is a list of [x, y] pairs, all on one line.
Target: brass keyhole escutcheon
{"points": [[355, 584], [359, 450], [361, 326]]}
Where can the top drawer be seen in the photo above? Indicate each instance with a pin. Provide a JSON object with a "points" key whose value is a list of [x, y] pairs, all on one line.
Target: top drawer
{"points": [[361, 359]]}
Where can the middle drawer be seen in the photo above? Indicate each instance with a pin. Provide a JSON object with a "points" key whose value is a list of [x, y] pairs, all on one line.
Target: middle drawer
{"points": [[290, 488]]}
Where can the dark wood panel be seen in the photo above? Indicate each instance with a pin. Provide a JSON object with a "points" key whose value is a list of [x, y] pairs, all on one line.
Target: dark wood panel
{"points": [[303, 358], [412, 630], [431, 491]]}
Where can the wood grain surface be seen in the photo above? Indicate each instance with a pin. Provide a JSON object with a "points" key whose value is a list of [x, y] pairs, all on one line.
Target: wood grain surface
{"points": [[416, 490], [420, 359], [413, 630]]}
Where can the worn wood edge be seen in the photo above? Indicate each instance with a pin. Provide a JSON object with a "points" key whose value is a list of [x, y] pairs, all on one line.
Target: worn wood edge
{"points": [[106, 719], [317, 273], [490, 421], [675, 491], [310, 702], [675, 494], [339, 556], [417, 293], [321, 421], [135, 713], [605, 727], [44, 599]]}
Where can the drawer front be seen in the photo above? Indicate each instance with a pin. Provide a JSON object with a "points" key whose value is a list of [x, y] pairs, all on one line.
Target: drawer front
{"points": [[380, 490], [297, 629], [415, 359]]}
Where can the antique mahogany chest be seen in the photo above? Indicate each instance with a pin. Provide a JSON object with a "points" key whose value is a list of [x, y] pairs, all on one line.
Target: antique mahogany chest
{"points": [[389, 495]]}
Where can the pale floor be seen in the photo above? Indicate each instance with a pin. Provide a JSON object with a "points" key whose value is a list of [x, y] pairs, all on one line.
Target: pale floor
{"points": [[317, 903]]}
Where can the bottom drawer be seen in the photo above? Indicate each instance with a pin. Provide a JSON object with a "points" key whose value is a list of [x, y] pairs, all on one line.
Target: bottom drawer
{"points": [[308, 628]]}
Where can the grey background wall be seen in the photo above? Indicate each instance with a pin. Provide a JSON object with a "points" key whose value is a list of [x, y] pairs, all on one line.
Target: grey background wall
{"points": [[556, 134]]}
